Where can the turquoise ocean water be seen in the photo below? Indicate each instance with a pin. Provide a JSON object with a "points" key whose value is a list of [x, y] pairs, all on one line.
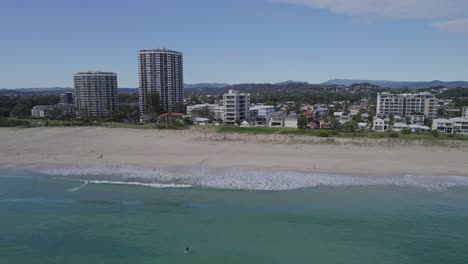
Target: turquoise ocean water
{"points": [[48, 220]]}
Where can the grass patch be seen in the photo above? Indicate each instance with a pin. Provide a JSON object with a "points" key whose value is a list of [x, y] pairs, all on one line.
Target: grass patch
{"points": [[4, 122], [334, 133]]}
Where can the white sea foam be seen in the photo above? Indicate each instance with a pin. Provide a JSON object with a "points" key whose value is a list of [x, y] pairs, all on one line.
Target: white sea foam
{"points": [[154, 185], [243, 178], [79, 187]]}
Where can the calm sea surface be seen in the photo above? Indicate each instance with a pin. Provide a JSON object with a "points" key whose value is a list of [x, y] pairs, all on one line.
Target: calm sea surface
{"points": [[42, 221]]}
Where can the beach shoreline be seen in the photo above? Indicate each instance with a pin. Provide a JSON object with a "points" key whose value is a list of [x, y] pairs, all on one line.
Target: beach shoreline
{"points": [[150, 149]]}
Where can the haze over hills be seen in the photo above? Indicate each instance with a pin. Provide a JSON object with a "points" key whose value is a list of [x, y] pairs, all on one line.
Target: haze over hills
{"points": [[205, 85], [397, 84], [333, 82]]}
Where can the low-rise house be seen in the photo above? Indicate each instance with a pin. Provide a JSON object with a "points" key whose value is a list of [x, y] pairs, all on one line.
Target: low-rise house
{"points": [[460, 126], [455, 125], [363, 126], [442, 125], [201, 121], [399, 126], [313, 125], [337, 114], [326, 123], [308, 114], [291, 121], [345, 118], [244, 124], [171, 118], [415, 128], [48, 111], [380, 125], [321, 112], [260, 114], [354, 110], [417, 119], [278, 118], [365, 116]]}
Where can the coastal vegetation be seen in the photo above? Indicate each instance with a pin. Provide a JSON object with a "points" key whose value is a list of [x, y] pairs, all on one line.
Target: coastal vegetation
{"points": [[338, 133]]}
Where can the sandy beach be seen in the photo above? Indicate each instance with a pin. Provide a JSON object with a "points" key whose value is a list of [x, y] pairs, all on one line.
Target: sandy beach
{"points": [[84, 146]]}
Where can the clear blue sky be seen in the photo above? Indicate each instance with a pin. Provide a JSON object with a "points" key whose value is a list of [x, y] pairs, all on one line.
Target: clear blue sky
{"points": [[44, 42]]}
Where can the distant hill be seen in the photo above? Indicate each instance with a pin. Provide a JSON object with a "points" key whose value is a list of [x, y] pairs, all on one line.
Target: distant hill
{"points": [[205, 85], [397, 85], [291, 82]]}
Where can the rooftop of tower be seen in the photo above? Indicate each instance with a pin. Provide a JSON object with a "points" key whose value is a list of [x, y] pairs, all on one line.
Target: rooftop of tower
{"points": [[160, 50], [95, 73]]}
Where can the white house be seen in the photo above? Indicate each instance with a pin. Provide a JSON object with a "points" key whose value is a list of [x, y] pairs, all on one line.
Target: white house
{"points": [[415, 128], [277, 120], [460, 125], [344, 119], [291, 121], [442, 125], [201, 121], [399, 126], [44, 110], [380, 125], [363, 126], [455, 125]]}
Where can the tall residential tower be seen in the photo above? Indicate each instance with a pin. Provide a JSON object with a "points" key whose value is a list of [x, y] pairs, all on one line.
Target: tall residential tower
{"points": [[161, 84], [96, 93]]}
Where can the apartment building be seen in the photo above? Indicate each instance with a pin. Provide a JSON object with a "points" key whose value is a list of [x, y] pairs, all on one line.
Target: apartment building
{"points": [[160, 76], [407, 104], [191, 109], [66, 98], [235, 107], [96, 93]]}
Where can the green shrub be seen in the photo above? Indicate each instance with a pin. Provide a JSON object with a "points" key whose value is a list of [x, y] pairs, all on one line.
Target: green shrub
{"points": [[406, 131], [323, 134], [12, 123], [393, 134], [435, 133]]}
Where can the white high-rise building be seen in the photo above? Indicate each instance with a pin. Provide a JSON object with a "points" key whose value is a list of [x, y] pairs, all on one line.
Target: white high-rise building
{"points": [[96, 93], [407, 104], [160, 76], [235, 107]]}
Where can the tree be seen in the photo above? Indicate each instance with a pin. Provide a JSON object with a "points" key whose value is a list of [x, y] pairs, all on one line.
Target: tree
{"points": [[238, 122], [408, 120], [55, 113], [153, 103], [357, 117], [302, 122], [406, 131], [350, 126], [21, 110], [391, 119]]}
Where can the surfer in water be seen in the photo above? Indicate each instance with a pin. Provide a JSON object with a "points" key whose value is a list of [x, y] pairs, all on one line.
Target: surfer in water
{"points": [[187, 250]]}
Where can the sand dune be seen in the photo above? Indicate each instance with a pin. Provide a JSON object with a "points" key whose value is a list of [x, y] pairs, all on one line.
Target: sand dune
{"points": [[156, 149]]}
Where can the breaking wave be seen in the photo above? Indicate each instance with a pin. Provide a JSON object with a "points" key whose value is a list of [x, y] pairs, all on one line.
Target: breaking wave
{"points": [[244, 179]]}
